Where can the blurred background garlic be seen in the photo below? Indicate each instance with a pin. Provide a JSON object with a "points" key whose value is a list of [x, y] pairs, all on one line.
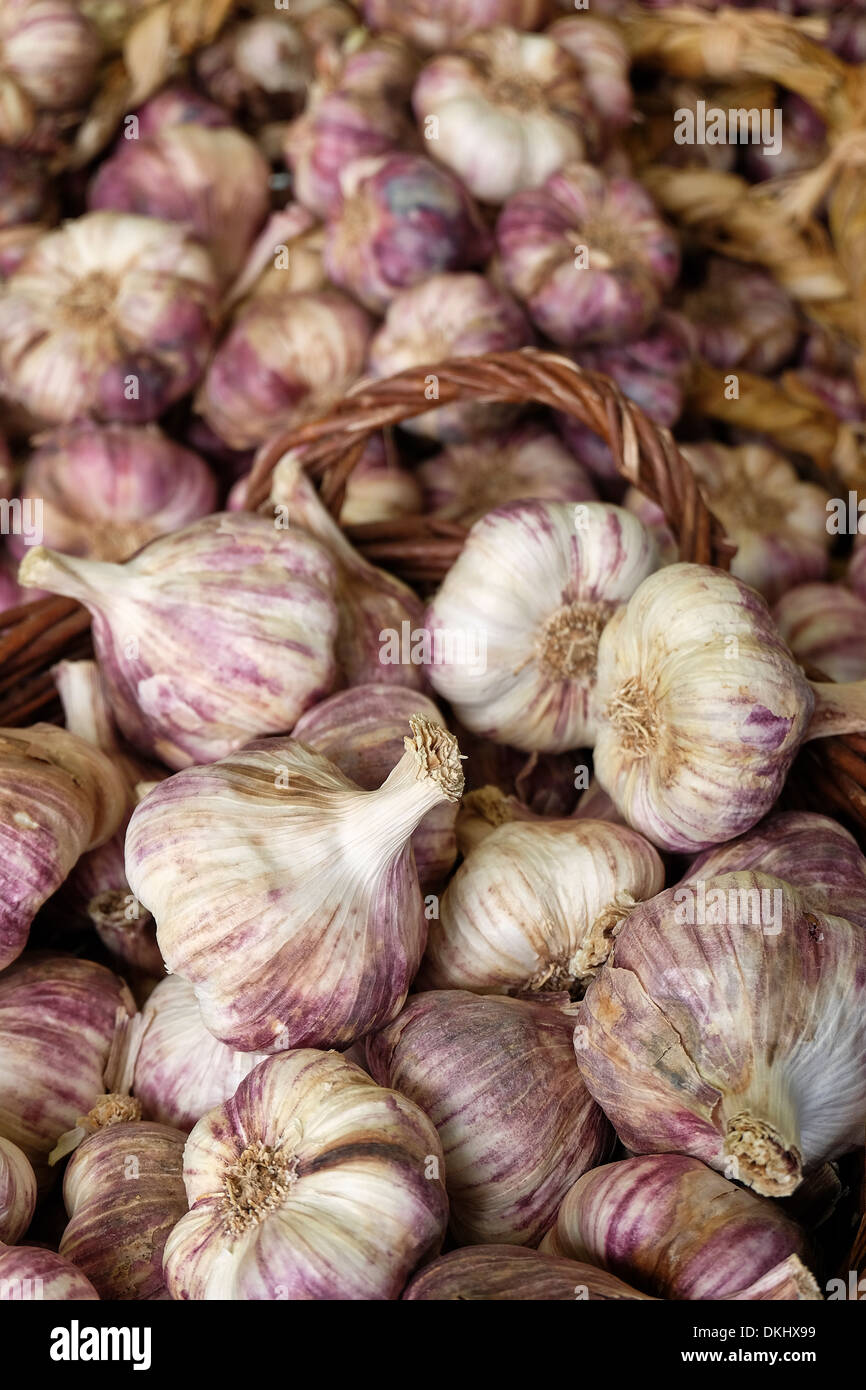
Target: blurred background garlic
{"points": [[17, 1192], [379, 488], [49, 57], [322, 924], [505, 1273], [261, 66], [31, 1267], [111, 316], [286, 257], [742, 318], [515, 627], [804, 145], [825, 626], [16, 244], [435, 24], [208, 637], [589, 256], [25, 195], [172, 106], [602, 58], [311, 1183], [497, 1078]]}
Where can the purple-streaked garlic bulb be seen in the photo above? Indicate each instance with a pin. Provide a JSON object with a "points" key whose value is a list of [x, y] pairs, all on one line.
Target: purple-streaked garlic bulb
{"points": [[379, 489], [508, 1273], [669, 1225], [17, 1192], [825, 626], [261, 66], [322, 925], [602, 58], [515, 627], [402, 219], [777, 522], [49, 58], [24, 189], [285, 258], [362, 730], [207, 638], [742, 318], [176, 105], [377, 613], [730, 1025], [106, 490], [449, 315], [112, 316], [497, 1078], [505, 112], [28, 1271], [124, 1192], [212, 182], [181, 1071], [283, 355], [528, 462], [60, 1019], [536, 906], [436, 24], [59, 796], [589, 256], [311, 1183]]}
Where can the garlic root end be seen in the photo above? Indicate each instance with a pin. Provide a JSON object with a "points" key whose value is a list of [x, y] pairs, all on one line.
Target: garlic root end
{"points": [[437, 756], [762, 1159]]}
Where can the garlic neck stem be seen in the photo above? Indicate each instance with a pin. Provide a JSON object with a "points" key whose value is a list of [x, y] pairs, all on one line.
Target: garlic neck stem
{"points": [[762, 1138], [292, 488], [84, 706], [428, 773], [839, 709], [67, 574]]}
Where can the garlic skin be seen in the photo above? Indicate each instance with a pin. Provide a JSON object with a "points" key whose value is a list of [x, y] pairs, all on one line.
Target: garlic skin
{"points": [[508, 1273], [602, 58], [285, 258], [284, 356], [177, 105], [49, 56], [671, 1226], [505, 112], [24, 1267], [311, 1183], [261, 66], [432, 24], [124, 1191], [181, 1071], [701, 708], [276, 968], [449, 315], [482, 811], [16, 244], [106, 490], [497, 1078], [17, 1192], [777, 1085], [536, 906], [466, 480], [825, 626], [743, 318], [528, 597], [588, 255], [208, 637], [109, 316], [379, 489], [362, 730]]}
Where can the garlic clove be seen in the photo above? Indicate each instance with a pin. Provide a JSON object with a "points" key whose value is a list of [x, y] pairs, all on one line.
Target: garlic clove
{"points": [[743, 318], [502, 1273], [17, 1192], [25, 1268], [825, 626]]}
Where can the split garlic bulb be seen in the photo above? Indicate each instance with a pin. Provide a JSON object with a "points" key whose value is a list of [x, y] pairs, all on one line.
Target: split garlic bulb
{"points": [[588, 255], [26, 1269], [311, 1183], [505, 1273], [433, 24], [825, 626], [505, 112], [743, 318], [515, 626], [111, 315], [209, 637], [602, 58], [729, 1025], [497, 1078], [49, 58], [321, 926], [17, 1192], [536, 906], [701, 708]]}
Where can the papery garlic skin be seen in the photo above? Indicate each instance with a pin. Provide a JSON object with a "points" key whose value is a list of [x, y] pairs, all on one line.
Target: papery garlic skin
{"points": [[536, 906], [177, 105], [497, 1078], [362, 731], [24, 1268], [672, 1227], [507, 1273], [209, 637], [285, 258], [379, 489], [701, 708], [515, 626], [743, 318], [825, 626], [433, 24], [754, 1001], [321, 925], [124, 1192], [49, 57], [311, 1183], [602, 58], [17, 1192], [483, 811]]}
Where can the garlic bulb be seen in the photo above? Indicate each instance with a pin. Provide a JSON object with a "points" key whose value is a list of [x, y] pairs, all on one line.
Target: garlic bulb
{"points": [[208, 637], [321, 925], [482, 811], [49, 56], [825, 626], [58, 1024], [17, 1192], [181, 1071], [177, 105], [602, 58], [311, 1183], [778, 523], [106, 490], [743, 318], [589, 256], [515, 627], [24, 189], [701, 708], [501, 1273], [788, 1282], [27, 1271], [497, 1078], [362, 731], [433, 24], [466, 480], [448, 315], [379, 489], [536, 906], [110, 316], [401, 219], [124, 1192], [213, 182], [371, 604], [285, 258], [672, 1227], [505, 112], [282, 356], [261, 66], [754, 1001]]}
